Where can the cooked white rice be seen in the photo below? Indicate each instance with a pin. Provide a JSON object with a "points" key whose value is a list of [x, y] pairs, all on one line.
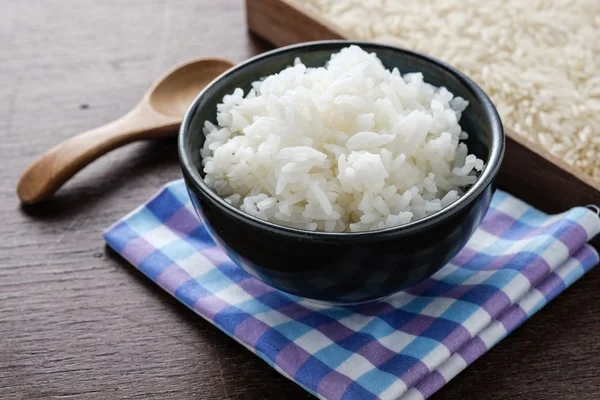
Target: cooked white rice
{"points": [[539, 60], [350, 146]]}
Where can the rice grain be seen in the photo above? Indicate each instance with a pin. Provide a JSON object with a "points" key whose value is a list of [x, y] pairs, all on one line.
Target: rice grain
{"points": [[350, 146], [539, 60]]}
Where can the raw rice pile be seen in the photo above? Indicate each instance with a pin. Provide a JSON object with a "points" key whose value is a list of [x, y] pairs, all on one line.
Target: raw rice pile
{"points": [[539, 60], [346, 147]]}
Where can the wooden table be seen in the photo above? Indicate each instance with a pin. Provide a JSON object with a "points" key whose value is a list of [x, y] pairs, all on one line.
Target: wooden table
{"points": [[76, 321]]}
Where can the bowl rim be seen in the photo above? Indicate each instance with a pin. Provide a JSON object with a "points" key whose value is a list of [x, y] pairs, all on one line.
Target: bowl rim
{"points": [[490, 171]]}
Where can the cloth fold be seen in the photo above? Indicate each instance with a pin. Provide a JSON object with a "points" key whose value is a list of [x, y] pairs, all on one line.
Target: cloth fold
{"points": [[407, 346]]}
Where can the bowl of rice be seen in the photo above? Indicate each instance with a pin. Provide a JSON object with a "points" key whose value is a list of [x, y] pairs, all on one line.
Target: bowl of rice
{"points": [[340, 171]]}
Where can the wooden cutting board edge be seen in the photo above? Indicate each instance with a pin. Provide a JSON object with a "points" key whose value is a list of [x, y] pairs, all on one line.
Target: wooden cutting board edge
{"points": [[528, 171]]}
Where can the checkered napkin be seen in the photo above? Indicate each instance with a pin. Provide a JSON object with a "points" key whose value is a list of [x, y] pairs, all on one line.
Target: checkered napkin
{"points": [[406, 347]]}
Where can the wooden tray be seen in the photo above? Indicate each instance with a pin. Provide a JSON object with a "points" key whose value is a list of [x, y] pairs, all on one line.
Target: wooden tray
{"points": [[529, 171]]}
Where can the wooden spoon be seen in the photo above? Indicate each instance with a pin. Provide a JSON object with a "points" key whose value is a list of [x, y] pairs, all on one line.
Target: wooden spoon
{"points": [[158, 114]]}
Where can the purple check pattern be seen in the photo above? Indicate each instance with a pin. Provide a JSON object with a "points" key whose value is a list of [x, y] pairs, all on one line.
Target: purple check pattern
{"points": [[406, 347]]}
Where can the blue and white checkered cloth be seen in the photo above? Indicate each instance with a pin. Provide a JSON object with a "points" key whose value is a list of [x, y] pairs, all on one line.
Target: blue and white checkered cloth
{"points": [[406, 347]]}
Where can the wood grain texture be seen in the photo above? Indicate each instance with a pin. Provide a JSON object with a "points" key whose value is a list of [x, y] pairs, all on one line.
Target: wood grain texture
{"points": [[76, 321], [281, 23], [544, 180], [156, 116]]}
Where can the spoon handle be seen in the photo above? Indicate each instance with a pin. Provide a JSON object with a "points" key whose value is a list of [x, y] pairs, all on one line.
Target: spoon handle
{"points": [[49, 172]]}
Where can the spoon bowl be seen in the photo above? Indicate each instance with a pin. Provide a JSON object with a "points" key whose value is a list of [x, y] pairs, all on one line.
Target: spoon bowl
{"points": [[173, 94], [158, 114]]}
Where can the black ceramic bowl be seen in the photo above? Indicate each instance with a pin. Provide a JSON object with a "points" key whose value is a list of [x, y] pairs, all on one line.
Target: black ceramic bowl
{"points": [[343, 268]]}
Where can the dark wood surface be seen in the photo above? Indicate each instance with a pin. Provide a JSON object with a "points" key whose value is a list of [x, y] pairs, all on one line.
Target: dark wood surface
{"points": [[76, 321]]}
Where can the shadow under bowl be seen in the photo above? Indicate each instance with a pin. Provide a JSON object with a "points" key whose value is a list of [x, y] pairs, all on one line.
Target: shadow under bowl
{"points": [[343, 268]]}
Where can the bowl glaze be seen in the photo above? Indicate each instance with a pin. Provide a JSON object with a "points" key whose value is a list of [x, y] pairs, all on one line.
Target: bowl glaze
{"points": [[343, 268]]}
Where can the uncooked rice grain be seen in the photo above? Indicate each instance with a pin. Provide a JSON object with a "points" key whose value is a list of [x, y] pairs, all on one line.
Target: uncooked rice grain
{"points": [[539, 60]]}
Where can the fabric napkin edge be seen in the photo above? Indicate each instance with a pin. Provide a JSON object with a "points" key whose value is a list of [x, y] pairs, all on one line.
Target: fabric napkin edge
{"points": [[263, 356]]}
